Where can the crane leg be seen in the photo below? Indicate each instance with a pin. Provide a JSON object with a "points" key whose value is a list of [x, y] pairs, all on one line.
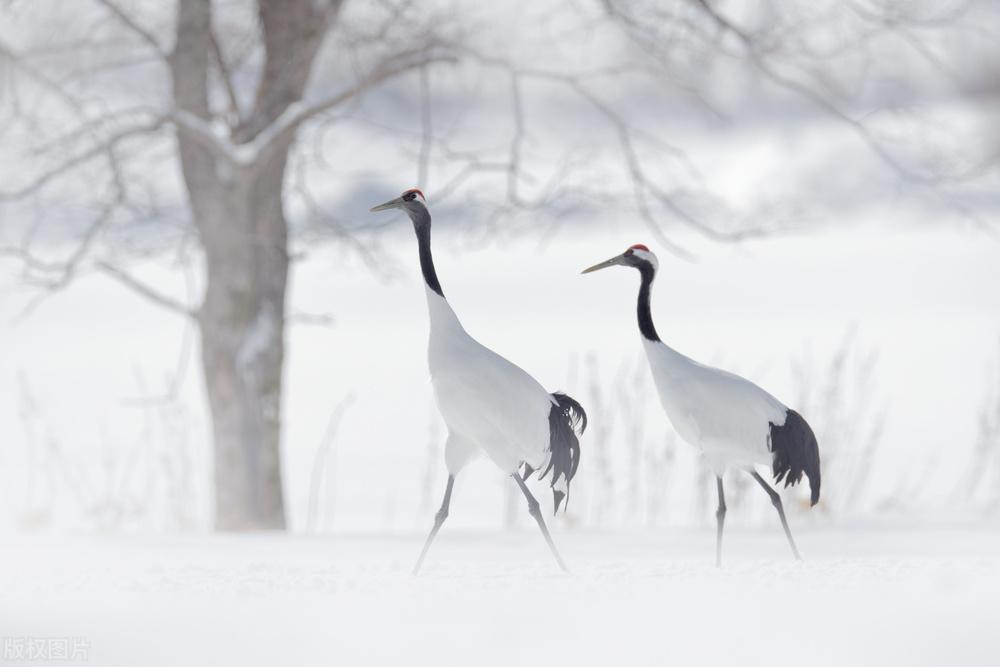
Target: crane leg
{"points": [[720, 518], [439, 518], [776, 501], [535, 511]]}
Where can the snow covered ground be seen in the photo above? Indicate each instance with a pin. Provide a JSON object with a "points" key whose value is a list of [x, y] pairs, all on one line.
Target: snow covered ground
{"points": [[870, 595]]}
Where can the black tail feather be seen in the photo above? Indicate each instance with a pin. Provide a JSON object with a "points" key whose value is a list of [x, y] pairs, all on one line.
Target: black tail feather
{"points": [[795, 452], [567, 420], [557, 498]]}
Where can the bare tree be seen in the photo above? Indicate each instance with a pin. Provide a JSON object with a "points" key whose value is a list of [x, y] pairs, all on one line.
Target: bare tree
{"points": [[233, 156]]}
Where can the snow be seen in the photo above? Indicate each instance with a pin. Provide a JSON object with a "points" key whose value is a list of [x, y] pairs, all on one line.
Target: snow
{"points": [[259, 337], [874, 594]]}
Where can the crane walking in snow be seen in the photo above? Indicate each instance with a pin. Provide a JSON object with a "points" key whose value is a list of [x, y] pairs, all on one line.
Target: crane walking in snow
{"points": [[734, 423], [488, 403]]}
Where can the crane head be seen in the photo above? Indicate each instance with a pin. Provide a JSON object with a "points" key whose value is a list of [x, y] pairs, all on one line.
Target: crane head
{"points": [[637, 256], [412, 201]]}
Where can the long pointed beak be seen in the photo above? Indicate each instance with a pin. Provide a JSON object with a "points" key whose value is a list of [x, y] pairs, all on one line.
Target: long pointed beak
{"points": [[614, 261], [393, 203]]}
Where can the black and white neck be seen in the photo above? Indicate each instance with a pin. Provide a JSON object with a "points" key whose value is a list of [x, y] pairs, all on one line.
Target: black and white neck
{"points": [[444, 321], [640, 257], [412, 201], [647, 271], [422, 227]]}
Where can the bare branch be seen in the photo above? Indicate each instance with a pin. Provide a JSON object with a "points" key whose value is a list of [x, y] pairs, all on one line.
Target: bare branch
{"points": [[74, 161], [145, 290], [642, 183], [329, 225], [133, 25], [226, 77], [514, 166], [292, 33], [426, 128], [41, 78], [202, 132], [393, 67], [312, 319], [753, 52], [66, 270], [323, 452], [294, 115]]}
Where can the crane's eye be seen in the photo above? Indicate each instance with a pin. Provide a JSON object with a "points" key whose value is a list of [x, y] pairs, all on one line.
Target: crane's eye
{"points": [[629, 252], [410, 196]]}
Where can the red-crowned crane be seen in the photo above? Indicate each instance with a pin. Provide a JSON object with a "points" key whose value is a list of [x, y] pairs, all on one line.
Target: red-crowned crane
{"points": [[734, 423], [489, 404]]}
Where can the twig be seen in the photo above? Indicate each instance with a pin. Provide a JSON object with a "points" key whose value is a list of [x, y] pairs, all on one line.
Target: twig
{"points": [[133, 25], [226, 77], [146, 291], [323, 452]]}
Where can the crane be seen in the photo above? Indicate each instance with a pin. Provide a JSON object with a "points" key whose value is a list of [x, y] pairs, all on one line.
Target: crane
{"points": [[489, 404], [734, 423]]}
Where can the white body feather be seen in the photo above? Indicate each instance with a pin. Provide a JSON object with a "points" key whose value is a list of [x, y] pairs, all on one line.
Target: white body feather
{"points": [[727, 417], [488, 403]]}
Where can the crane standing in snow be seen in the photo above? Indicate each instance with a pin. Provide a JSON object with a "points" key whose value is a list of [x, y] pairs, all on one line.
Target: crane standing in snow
{"points": [[488, 403], [735, 423]]}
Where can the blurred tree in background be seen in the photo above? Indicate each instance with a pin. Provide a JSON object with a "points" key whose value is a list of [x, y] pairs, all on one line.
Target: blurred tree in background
{"points": [[228, 83]]}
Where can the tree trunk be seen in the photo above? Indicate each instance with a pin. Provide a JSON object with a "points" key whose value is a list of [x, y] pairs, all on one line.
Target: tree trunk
{"points": [[237, 209], [242, 337]]}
